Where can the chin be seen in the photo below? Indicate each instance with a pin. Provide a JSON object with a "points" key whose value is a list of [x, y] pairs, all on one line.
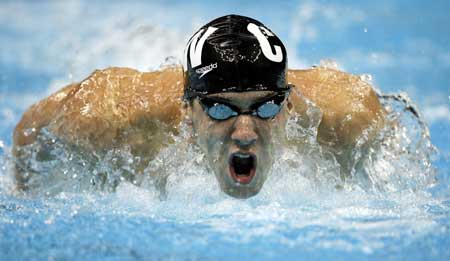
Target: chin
{"points": [[232, 187], [240, 192]]}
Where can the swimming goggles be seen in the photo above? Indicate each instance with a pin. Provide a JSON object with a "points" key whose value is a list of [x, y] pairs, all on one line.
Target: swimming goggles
{"points": [[220, 110]]}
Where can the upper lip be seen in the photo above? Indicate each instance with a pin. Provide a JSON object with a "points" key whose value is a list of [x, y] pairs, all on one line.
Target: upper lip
{"points": [[242, 154]]}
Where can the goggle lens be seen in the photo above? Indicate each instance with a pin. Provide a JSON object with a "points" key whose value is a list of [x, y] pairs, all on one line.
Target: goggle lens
{"points": [[268, 110], [221, 111]]}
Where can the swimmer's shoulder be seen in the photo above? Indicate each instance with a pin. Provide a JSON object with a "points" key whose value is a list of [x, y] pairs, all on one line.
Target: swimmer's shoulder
{"points": [[40, 115], [99, 109], [323, 85], [349, 104]]}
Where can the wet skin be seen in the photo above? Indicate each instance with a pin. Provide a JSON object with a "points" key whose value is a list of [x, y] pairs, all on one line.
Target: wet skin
{"points": [[244, 133], [124, 111]]}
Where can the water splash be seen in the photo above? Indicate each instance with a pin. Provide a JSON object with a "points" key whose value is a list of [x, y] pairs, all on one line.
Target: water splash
{"points": [[402, 157], [304, 202], [399, 159], [328, 63]]}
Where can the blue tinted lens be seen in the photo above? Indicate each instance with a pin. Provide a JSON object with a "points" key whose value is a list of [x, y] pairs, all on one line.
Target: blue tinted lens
{"points": [[268, 110], [221, 112]]}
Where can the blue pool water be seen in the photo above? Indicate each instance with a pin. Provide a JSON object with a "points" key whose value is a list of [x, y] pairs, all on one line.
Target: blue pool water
{"points": [[402, 45]]}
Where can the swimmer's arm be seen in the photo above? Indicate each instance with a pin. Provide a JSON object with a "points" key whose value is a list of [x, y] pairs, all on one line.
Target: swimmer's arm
{"points": [[111, 108], [27, 130], [351, 110]]}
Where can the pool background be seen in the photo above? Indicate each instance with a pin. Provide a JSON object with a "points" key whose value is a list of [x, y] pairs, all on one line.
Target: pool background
{"points": [[404, 45]]}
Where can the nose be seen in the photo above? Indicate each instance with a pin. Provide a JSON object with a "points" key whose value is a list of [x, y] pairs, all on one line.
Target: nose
{"points": [[244, 134]]}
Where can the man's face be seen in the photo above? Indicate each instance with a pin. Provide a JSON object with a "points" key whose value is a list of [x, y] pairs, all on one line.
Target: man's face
{"points": [[239, 149]]}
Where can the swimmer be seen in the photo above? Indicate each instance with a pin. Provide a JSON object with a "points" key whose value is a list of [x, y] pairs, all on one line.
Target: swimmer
{"points": [[237, 94]]}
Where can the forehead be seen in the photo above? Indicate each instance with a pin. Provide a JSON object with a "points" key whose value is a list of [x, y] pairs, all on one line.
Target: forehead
{"points": [[243, 97]]}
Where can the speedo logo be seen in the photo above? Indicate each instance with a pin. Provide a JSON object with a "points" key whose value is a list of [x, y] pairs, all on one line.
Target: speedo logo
{"points": [[206, 69]]}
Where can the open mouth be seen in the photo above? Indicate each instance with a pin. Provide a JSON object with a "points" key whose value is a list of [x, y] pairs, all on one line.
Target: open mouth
{"points": [[242, 167]]}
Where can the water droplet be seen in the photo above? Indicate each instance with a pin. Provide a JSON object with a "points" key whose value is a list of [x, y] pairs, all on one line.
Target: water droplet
{"points": [[170, 62], [329, 63], [49, 221], [366, 78], [28, 132]]}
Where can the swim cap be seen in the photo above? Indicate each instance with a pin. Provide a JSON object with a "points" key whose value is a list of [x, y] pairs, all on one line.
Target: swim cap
{"points": [[234, 54]]}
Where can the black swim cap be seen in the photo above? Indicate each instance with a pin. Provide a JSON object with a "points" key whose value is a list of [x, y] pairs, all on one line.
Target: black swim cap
{"points": [[234, 54]]}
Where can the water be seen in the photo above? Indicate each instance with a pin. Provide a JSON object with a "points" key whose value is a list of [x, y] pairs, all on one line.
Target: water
{"points": [[396, 205]]}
